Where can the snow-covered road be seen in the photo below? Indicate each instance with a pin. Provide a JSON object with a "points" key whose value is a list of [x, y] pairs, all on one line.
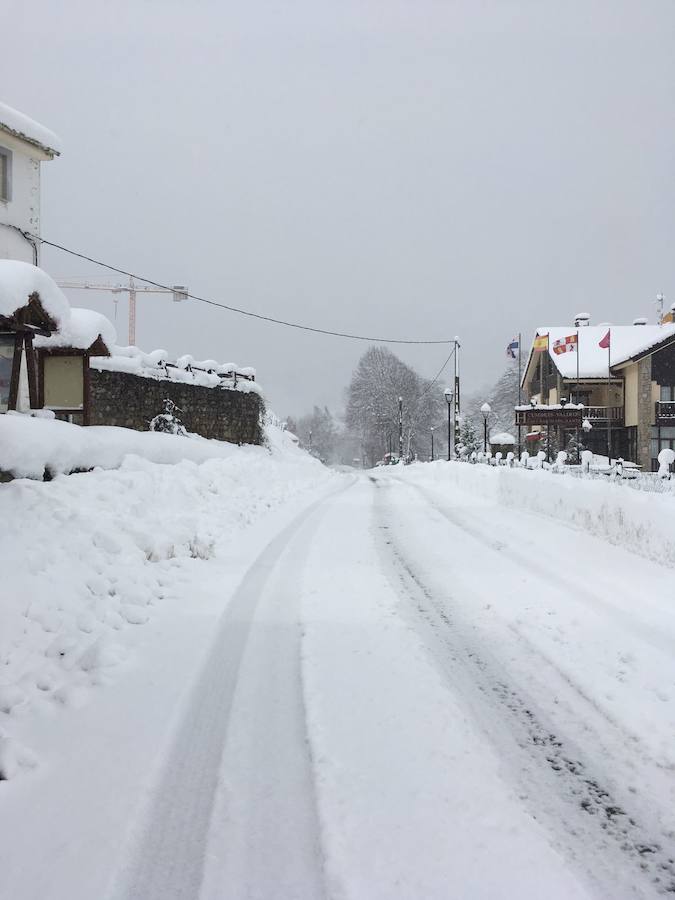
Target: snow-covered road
{"points": [[411, 693]]}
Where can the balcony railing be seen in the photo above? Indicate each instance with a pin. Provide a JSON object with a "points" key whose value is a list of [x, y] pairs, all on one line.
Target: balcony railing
{"points": [[599, 414], [665, 412]]}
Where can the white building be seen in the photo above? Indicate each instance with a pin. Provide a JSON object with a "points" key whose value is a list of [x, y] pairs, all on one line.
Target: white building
{"points": [[24, 145]]}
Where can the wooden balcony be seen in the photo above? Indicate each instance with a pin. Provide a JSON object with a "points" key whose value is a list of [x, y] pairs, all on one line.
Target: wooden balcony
{"points": [[599, 414], [665, 412]]}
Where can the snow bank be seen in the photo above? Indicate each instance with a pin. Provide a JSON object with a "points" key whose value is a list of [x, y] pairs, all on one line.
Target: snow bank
{"points": [[641, 522], [92, 559], [29, 446], [18, 280], [23, 127]]}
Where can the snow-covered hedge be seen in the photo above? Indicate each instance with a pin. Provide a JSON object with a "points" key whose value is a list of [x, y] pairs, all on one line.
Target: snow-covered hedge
{"points": [[642, 523]]}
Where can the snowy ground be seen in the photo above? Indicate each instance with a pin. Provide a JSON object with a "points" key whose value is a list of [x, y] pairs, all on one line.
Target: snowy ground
{"points": [[253, 678]]}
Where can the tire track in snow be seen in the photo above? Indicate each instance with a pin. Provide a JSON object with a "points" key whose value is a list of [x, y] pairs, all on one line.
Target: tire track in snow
{"points": [[609, 829], [168, 855]]}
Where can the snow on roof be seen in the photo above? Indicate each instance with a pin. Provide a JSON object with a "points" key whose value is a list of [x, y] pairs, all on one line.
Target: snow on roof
{"points": [[18, 280], [19, 125], [627, 341], [81, 330], [156, 365], [502, 437]]}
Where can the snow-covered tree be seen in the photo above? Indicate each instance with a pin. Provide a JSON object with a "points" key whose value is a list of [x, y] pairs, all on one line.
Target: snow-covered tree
{"points": [[323, 429], [468, 436], [373, 395]]}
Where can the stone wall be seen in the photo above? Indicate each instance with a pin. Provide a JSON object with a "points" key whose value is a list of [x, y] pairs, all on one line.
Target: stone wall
{"points": [[131, 401]]}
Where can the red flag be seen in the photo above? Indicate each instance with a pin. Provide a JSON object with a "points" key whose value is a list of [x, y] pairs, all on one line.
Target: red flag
{"points": [[604, 343]]}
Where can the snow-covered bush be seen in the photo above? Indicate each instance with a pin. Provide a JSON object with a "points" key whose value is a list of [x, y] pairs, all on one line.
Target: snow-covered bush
{"points": [[168, 422]]}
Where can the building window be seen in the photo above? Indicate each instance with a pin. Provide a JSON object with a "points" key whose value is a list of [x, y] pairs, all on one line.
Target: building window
{"points": [[5, 174], [667, 393]]}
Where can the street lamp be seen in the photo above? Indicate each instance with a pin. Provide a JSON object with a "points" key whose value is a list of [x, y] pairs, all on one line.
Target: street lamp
{"points": [[432, 443], [485, 409], [449, 397]]}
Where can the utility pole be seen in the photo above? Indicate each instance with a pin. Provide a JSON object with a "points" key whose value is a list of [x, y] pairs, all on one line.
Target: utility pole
{"points": [[457, 405], [400, 427], [432, 443], [178, 292]]}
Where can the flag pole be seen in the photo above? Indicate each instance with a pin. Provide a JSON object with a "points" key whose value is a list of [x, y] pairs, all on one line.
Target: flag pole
{"points": [[577, 399], [609, 417]]}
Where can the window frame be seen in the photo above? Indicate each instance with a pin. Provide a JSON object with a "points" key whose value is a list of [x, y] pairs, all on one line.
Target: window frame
{"points": [[6, 180]]}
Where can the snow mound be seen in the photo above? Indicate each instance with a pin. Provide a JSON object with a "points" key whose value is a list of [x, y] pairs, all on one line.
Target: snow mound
{"points": [[81, 330], [18, 280]]}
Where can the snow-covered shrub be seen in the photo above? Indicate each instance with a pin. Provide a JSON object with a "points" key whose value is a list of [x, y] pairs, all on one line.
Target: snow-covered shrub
{"points": [[167, 422]]}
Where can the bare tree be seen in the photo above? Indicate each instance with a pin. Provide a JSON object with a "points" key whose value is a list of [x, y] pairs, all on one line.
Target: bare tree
{"points": [[378, 381]]}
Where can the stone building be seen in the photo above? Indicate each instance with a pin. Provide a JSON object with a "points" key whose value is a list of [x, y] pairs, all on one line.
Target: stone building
{"points": [[622, 386]]}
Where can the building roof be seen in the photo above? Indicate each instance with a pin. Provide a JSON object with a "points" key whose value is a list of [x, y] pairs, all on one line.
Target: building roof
{"points": [[20, 126], [81, 331], [627, 342]]}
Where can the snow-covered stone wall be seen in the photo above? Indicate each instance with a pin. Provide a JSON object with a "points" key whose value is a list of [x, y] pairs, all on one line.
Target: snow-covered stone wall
{"points": [[131, 401]]}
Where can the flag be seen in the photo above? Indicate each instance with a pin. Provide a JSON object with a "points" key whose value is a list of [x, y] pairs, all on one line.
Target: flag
{"points": [[604, 343], [540, 343], [566, 344], [512, 348]]}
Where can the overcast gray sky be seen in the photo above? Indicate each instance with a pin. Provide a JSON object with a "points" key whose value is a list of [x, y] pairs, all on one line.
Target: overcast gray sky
{"points": [[418, 169]]}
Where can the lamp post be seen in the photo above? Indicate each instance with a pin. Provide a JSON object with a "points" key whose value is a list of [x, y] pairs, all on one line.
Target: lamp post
{"points": [[432, 443], [485, 409], [449, 398]]}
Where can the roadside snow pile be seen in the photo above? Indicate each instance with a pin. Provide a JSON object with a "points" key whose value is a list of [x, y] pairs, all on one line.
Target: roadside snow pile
{"points": [[31, 445], [642, 523], [90, 560]]}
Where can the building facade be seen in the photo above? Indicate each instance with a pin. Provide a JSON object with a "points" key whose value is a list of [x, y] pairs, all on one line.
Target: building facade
{"points": [[611, 390], [24, 146]]}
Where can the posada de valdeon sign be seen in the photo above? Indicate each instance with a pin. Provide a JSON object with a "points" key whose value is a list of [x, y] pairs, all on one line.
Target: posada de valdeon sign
{"points": [[570, 415]]}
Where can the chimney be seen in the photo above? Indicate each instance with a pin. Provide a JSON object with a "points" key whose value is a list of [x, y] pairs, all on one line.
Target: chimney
{"points": [[641, 320], [582, 319]]}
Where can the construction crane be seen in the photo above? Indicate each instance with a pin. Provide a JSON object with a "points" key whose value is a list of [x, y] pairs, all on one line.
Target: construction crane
{"points": [[178, 292]]}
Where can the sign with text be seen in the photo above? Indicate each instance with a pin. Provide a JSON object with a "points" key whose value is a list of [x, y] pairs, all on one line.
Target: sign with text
{"points": [[544, 415]]}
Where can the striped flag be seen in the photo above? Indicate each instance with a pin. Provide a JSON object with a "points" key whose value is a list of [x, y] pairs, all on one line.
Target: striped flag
{"points": [[540, 343], [565, 345]]}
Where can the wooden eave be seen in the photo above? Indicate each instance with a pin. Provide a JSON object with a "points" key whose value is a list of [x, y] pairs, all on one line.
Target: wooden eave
{"points": [[32, 317]]}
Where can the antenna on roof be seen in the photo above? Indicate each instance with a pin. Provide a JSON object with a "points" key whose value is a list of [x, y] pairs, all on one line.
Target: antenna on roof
{"points": [[659, 308]]}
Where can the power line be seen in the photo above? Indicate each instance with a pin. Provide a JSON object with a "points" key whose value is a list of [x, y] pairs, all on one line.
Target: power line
{"points": [[436, 376], [242, 312]]}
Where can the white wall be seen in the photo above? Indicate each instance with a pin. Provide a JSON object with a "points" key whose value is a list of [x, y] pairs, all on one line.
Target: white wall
{"points": [[23, 209]]}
